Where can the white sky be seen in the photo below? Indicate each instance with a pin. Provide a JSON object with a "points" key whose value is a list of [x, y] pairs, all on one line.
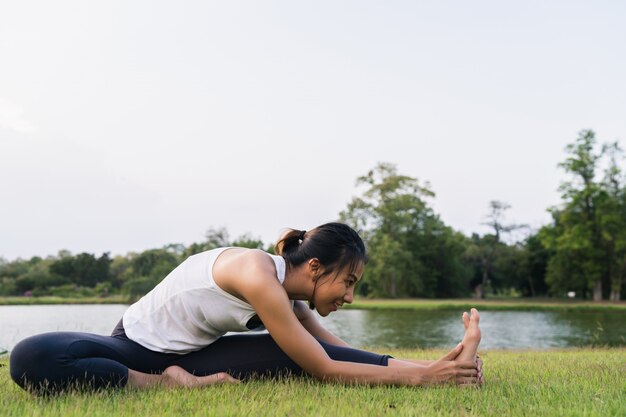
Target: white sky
{"points": [[127, 125]]}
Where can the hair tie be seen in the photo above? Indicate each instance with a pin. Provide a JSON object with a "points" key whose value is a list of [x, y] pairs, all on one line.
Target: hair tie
{"points": [[301, 235]]}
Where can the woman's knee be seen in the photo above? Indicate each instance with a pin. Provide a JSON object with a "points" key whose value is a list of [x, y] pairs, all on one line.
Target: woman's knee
{"points": [[29, 355], [37, 360]]}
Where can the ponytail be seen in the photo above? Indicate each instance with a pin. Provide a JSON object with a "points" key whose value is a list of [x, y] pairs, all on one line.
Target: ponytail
{"points": [[289, 241]]}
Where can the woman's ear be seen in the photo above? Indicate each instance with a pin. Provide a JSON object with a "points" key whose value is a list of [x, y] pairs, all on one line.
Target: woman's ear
{"points": [[314, 267]]}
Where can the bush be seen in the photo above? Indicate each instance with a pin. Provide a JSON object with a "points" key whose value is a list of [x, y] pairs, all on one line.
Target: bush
{"points": [[138, 286]]}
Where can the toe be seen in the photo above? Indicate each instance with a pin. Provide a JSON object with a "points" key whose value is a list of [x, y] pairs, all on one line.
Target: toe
{"points": [[475, 318], [466, 320]]}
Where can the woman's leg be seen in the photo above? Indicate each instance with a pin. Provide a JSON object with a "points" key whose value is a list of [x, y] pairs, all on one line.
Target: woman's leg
{"points": [[245, 356], [61, 360], [57, 361]]}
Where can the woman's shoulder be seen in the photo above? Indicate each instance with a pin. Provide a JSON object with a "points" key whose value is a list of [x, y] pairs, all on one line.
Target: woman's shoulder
{"points": [[244, 261], [245, 255]]}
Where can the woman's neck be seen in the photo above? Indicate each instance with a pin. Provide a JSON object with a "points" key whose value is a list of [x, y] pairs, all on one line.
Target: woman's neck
{"points": [[298, 283]]}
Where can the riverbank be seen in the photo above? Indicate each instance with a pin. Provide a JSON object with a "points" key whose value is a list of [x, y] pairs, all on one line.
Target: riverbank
{"points": [[113, 299], [585, 382], [513, 304]]}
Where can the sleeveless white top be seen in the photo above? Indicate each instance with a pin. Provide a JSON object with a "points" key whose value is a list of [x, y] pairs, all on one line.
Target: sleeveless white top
{"points": [[188, 310]]}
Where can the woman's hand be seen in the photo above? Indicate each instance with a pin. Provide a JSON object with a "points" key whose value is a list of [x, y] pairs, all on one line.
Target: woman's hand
{"points": [[448, 370]]}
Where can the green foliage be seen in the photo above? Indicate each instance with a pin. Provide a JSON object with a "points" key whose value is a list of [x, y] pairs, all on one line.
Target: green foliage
{"points": [[83, 269], [138, 286], [588, 234], [247, 241], [412, 253], [534, 261]]}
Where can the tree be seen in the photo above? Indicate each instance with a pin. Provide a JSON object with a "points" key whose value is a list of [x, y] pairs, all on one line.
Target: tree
{"points": [[535, 261], [410, 249], [247, 241], [83, 269], [485, 250], [154, 263], [587, 234], [213, 238], [612, 219]]}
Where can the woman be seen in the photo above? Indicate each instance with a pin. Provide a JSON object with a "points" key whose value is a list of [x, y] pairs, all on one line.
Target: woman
{"points": [[174, 336]]}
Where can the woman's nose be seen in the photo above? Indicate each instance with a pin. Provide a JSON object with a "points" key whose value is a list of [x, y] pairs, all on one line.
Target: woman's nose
{"points": [[349, 297]]}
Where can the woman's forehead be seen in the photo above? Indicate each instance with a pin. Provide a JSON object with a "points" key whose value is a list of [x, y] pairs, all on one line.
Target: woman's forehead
{"points": [[353, 268]]}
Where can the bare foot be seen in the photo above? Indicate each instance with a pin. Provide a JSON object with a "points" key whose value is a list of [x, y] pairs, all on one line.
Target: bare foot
{"points": [[471, 340], [175, 376]]}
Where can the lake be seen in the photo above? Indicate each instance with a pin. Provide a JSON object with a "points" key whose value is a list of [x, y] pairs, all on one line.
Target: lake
{"points": [[362, 328]]}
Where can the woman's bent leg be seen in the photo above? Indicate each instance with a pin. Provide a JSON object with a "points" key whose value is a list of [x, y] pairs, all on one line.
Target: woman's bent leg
{"points": [[53, 362]]}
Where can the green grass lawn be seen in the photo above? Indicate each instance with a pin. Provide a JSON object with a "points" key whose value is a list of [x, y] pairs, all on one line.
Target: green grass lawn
{"points": [[580, 382]]}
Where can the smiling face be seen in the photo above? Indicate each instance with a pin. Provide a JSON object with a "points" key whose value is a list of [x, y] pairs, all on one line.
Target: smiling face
{"points": [[335, 289]]}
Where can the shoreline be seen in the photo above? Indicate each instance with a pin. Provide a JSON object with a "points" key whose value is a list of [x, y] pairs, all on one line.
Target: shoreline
{"points": [[50, 300], [527, 304], [485, 305]]}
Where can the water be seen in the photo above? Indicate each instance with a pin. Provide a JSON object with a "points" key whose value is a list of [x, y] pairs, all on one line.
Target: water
{"points": [[500, 329], [19, 322], [362, 328]]}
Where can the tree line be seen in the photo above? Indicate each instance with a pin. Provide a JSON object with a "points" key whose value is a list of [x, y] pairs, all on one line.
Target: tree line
{"points": [[412, 252]]}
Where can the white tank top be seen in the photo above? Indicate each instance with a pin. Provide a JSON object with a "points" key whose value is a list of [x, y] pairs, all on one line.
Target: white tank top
{"points": [[188, 310]]}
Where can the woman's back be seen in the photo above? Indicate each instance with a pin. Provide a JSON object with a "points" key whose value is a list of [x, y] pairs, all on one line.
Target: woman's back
{"points": [[188, 310]]}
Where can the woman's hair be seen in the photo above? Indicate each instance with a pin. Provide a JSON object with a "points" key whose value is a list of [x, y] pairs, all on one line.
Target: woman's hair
{"points": [[335, 245]]}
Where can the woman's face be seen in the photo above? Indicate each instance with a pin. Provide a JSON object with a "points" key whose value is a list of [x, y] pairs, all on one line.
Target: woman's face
{"points": [[335, 289]]}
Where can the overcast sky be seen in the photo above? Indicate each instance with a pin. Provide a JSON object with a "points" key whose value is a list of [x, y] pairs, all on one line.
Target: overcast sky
{"points": [[128, 125]]}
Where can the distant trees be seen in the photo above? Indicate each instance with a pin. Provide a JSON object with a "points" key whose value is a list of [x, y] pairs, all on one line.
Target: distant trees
{"points": [[412, 252], [83, 269], [491, 255], [84, 274]]}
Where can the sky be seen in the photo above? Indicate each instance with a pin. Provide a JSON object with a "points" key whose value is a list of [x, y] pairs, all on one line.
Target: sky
{"points": [[129, 125]]}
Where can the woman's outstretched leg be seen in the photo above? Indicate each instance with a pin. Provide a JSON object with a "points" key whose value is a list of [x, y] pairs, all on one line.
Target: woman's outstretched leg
{"points": [[246, 356]]}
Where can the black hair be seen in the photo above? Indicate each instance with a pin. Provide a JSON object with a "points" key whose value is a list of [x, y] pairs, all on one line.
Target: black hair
{"points": [[335, 245]]}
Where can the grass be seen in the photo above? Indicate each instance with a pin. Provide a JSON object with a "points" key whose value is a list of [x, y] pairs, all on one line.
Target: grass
{"points": [[580, 382], [512, 304]]}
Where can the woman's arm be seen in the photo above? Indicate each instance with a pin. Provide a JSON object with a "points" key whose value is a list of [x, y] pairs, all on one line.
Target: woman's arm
{"points": [[312, 325]]}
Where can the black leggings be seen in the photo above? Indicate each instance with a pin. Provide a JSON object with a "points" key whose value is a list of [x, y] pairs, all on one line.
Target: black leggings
{"points": [[53, 362]]}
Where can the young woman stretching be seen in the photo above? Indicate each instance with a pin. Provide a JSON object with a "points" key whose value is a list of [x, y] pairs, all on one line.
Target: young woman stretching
{"points": [[174, 335]]}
